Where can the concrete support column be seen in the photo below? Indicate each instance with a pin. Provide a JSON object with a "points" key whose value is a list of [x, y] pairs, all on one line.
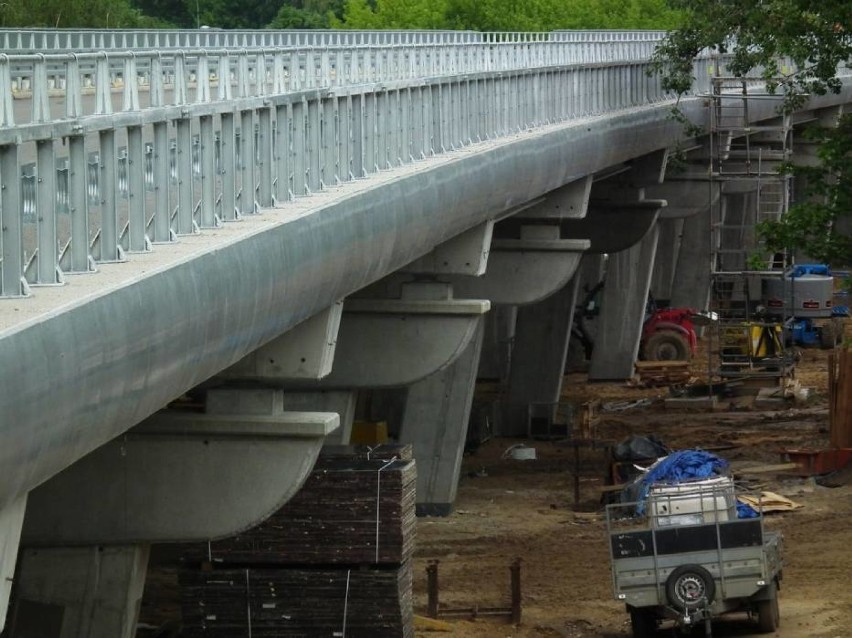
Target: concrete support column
{"points": [[628, 278], [497, 343], [435, 421], [688, 201], [538, 357], [11, 522], [691, 284], [737, 234], [80, 592], [668, 250]]}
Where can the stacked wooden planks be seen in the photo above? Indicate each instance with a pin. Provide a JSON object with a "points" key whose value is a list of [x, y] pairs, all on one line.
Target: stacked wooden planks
{"points": [[337, 555], [658, 373], [840, 397]]}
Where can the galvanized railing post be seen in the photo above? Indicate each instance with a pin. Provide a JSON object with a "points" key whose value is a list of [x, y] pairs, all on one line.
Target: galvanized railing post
{"points": [[48, 267], [328, 176], [344, 139], [185, 224], [11, 248], [228, 153], [264, 152], [137, 240], [110, 249], [356, 166], [313, 150], [300, 176], [80, 256], [207, 216]]}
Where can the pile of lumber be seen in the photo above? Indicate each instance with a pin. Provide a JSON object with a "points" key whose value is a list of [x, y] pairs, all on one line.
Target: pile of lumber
{"points": [[660, 373], [292, 602], [840, 397], [338, 554]]}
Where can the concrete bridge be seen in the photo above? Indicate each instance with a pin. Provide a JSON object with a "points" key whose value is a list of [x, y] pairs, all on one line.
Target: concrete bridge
{"points": [[288, 229]]}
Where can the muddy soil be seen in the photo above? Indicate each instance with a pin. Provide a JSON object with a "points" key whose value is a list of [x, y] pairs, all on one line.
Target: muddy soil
{"points": [[509, 509]]}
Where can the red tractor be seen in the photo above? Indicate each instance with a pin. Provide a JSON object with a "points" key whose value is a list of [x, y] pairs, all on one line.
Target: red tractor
{"points": [[668, 334]]}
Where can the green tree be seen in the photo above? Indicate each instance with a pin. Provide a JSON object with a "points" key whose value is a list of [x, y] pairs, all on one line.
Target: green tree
{"points": [[289, 17], [393, 14], [112, 14], [821, 226], [763, 35], [508, 15]]}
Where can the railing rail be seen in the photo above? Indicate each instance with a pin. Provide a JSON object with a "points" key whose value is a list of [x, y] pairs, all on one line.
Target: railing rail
{"points": [[79, 40], [102, 153]]}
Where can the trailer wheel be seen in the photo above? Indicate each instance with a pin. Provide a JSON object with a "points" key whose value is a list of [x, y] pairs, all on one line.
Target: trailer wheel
{"points": [[666, 345], [689, 586], [768, 613], [643, 622]]}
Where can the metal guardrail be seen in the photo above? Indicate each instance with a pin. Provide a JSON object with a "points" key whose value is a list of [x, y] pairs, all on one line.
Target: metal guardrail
{"points": [[80, 40], [105, 153]]}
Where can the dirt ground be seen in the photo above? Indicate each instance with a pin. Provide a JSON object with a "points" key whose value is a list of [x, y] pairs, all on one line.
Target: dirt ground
{"points": [[525, 509]]}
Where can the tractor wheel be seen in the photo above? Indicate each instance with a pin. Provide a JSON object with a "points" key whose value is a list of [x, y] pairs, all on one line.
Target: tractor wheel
{"points": [[690, 586], [666, 345], [768, 613]]}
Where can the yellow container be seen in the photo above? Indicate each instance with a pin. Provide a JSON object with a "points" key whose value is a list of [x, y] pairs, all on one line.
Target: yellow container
{"points": [[369, 433]]}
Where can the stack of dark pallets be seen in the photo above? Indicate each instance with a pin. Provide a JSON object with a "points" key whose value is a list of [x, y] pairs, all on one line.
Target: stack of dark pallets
{"points": [[334, 561]]}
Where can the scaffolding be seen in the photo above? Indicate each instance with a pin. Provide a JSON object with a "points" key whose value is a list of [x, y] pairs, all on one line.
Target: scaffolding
{"points": [[744, 161]]}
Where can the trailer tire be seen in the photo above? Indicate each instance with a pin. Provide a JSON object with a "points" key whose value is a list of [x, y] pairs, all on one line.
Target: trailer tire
{"points": [[666, 345], [768, 613], [643, 622], [688, 586]]}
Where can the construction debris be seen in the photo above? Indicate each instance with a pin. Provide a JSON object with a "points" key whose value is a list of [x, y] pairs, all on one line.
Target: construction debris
{"points": [[662, 373], [769, 502]]}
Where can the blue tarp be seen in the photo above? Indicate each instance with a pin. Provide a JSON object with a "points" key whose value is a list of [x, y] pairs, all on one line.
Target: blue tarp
{"points": [[746, 511], [677, 467]]}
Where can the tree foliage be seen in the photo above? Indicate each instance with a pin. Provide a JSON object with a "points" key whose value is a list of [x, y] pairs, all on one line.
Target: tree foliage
{"points": [[507, 15], [797, 47], [761, 34], [820, 225], [111, 14]]}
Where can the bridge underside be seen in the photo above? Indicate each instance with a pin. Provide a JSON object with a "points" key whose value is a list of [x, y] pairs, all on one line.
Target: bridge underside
{"points": [[108, 360], [256, 311]]}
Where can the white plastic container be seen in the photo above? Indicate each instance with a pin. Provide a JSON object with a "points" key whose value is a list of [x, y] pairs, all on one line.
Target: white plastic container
{"points": [[522, 453], [693, 502]]}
